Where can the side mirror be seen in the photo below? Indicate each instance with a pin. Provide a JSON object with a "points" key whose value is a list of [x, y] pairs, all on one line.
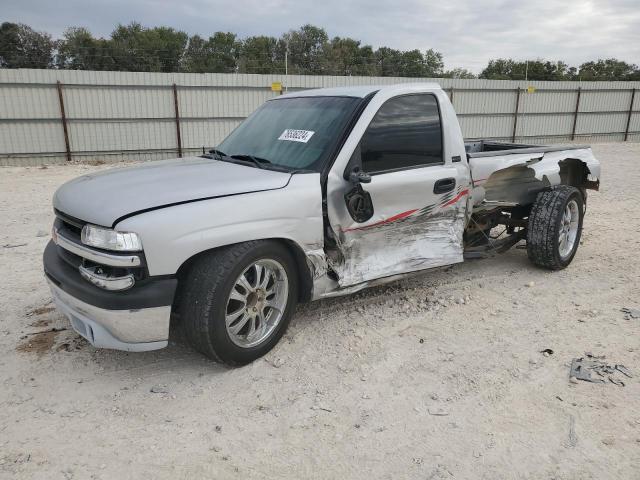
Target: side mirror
{"points": [[358, 176], [359, 203]]}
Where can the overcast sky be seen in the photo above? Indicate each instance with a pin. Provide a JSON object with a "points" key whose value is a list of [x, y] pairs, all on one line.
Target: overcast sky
{"points": [[467, 32]]}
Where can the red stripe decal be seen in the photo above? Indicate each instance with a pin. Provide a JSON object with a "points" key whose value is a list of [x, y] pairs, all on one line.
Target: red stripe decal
{"points": [[457, 197], [399, 216]]}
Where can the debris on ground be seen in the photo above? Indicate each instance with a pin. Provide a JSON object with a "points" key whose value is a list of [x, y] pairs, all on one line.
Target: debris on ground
{"points": [[583, 368], [159, 389], [320, 407], [41, 310], [630, 313], [573, 438], [438, 412], [39, 342], [546, 352]]}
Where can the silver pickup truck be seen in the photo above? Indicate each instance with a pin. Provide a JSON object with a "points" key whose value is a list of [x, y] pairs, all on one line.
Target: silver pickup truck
{"points": [[318, 193]]}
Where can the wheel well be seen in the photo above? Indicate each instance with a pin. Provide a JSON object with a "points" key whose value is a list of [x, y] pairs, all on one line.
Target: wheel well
{"points": [[573, 172], [304, 274]]}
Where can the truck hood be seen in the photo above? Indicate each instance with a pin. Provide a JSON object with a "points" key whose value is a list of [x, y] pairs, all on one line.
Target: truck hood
{"points": [[105, 197]]}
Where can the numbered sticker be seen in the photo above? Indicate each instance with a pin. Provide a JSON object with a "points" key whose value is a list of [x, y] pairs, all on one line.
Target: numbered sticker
{"points": [[291, 135]]}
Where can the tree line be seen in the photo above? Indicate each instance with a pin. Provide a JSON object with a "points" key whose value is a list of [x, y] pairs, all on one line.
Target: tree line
{"points": [[307, 50]]}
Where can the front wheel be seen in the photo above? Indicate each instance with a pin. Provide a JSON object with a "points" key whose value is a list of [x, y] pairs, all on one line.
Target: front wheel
{"points": [[555, 226], [237, 301]]}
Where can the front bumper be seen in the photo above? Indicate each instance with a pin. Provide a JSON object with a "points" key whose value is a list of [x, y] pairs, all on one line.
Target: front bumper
{"points": [[135, 320], [130, 330]]}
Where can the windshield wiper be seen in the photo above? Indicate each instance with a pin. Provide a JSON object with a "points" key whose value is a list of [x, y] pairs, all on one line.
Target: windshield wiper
{"points": [[257, 161], [215, 154]]}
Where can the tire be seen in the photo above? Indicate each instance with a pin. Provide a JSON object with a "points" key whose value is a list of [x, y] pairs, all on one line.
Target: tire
{"points": [[211, 287], [547, 225]]}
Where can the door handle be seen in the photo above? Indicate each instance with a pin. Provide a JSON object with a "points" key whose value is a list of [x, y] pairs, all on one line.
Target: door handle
{"points": [[444, 185]]}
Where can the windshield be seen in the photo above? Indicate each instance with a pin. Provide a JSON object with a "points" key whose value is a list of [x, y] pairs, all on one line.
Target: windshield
{"points": [[296, 133]]}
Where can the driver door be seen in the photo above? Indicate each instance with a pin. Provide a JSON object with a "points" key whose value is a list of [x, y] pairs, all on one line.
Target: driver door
{"points": [[415, 201]]}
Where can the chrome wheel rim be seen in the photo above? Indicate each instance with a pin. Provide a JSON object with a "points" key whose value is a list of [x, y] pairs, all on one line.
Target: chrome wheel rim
{"points": [[257, 302], [568, 229]]}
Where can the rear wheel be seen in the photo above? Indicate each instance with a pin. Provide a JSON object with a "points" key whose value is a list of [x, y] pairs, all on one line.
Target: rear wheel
{"points": [[555, 226], [238, 301]]}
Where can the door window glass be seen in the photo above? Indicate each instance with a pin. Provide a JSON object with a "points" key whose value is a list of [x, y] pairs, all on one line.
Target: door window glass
{"points": [[406, 132]]}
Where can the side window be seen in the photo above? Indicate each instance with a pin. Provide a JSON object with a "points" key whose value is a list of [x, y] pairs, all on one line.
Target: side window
{"points": [[406, 132]]}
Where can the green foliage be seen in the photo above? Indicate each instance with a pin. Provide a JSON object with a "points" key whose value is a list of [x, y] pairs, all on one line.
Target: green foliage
{"points": [[609, 69], [217, 54], [508, 69], [78, 50], [261, 54], [345, 56], [307, 50], [458, 73], [23, 47], [139, 49]]}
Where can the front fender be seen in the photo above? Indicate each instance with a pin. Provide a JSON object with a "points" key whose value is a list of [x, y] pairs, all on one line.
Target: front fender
{"points": [[172, 235]]}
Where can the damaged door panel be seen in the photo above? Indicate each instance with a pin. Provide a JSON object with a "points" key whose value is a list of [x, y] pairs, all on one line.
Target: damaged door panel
{"points": [[418, 200], [412, 228]]}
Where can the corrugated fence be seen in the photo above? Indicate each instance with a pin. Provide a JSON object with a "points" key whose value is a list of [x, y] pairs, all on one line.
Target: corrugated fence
{"points": [[52, 116]]}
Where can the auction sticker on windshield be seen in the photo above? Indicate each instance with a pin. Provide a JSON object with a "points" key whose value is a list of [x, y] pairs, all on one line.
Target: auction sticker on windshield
{"points": [[296, 135]]}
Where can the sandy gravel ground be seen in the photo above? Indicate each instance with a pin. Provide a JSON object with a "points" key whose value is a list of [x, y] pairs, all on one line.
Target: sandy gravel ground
{"points": [[436, 377]]}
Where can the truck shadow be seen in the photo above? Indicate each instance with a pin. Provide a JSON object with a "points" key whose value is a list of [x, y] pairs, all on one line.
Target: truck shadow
{"points": [[491, 269], [53, 334]]}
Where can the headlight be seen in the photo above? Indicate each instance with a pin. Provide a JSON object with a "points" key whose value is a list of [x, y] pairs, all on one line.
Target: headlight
{"points": [[108, 239]]}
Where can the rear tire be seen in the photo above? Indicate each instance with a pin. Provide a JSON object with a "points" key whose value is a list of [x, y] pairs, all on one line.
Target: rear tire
{"points": [[230, 323], [555, 226]]}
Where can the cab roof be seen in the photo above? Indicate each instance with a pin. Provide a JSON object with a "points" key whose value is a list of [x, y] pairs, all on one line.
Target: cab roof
{"points": [[360, 91]]}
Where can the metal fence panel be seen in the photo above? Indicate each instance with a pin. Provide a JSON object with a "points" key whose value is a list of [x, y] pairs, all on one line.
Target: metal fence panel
{"points": [[137, 115], [118, 102]]}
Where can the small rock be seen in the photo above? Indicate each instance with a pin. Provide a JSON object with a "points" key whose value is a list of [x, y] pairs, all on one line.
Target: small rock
{"points": [[531, 284], [609, 441], [159, 389], [438, 412], [320, 407], [42, 233], [460, 301], [278, 362]]}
